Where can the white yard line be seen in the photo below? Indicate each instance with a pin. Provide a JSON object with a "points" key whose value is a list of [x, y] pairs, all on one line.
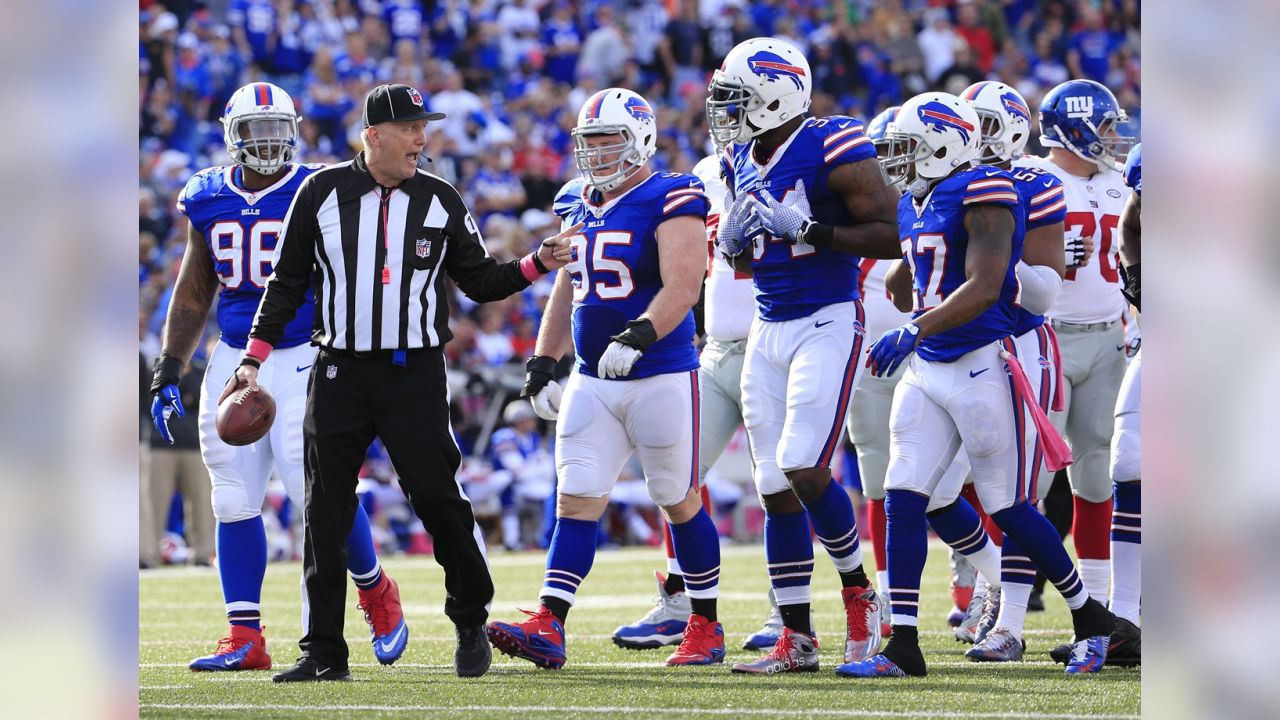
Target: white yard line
{"points": [[655, 664]]}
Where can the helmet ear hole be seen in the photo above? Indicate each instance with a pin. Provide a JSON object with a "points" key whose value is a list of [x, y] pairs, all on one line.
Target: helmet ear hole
{"points": [[941, 153]]}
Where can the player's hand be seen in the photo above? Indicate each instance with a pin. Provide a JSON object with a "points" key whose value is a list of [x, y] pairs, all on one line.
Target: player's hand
{"points": [[556, 252], [892, 348], [739, 226], [1078, 251], [617, 360], [167, 398], [784, 221], [244, 376], [546, 402]]}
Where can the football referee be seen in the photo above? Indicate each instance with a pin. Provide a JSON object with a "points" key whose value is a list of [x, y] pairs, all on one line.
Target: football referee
{"points": [[375, 238]]}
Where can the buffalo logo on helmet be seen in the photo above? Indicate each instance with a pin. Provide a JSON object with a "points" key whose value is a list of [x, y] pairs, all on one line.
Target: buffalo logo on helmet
{"points": [[415, 97], [639, 109], [774, 67], [1015, 107], [938, 117]]}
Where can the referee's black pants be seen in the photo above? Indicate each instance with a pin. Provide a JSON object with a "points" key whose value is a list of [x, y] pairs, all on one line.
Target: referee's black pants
{"points": [[350, 400]]}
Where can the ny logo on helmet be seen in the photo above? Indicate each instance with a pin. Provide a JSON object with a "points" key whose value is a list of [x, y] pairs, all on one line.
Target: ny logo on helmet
{"points": [[638, 109], [774, 67], [415, 97], [938, 117], [1079, 107]]}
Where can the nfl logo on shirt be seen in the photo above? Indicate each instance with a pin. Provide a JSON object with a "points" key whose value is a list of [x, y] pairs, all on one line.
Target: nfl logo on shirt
{"points": [[423, 247], [331, 372]]}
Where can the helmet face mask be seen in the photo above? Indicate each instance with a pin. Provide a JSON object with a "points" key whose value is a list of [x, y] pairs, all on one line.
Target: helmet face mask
{"points": [[260, 128], [606, 166], [625, 115], [728, 104]]}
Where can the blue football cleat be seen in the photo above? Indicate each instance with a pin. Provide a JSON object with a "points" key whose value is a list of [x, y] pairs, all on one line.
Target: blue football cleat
{"points": [[387, 626], [878, 666], [663, 625], [1088, 655], [242, 649], [540, 639]]}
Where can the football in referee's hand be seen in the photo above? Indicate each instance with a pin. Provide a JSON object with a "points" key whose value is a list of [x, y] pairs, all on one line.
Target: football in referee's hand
{"points": [[245, 415]]}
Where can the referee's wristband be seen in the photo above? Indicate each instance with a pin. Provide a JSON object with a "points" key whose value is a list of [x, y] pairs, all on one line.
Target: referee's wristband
{"points": [[817, 235], [256, 352], [531, 267]]}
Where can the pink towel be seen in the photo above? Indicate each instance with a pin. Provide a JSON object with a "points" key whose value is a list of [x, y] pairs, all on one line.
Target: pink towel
{"points": [[1057, 454], [1059, 397]]}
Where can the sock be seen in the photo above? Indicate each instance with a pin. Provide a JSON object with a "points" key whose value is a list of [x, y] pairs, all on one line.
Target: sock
{"points": [[1092, 537], [673, 584], [698, 547], [362, 558], [1126, 551], [511, 529], [875, 526], [882, 582], [1016, 574], [907, 546], [1032, 532], [573, 549], [834, 524], [960, 526], [788, 554], [242, 563], [903, 649], [673, 565]]}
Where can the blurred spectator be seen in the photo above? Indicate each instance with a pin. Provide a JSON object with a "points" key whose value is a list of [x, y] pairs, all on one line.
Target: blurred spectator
{"points": [[253, 23], [522, 454], [326, 102], [970, 27], [606, 50], [937, 44], [563, 41], [1091, 46], [962, 73]]}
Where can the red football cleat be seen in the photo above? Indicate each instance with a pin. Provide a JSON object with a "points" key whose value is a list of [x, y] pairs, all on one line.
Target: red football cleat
{"points": [[703, 643], [381, 607], [244, 649]]}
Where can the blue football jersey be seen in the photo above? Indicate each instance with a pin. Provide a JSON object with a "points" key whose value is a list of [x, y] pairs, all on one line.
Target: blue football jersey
{"points": [[794, 281], [241, 229], [616, 274], [1044, 202], [1133, 169], [508, 440], [934, 242]]}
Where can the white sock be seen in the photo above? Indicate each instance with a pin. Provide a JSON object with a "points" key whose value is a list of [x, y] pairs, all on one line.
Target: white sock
{"points": [[1096, 575], [980, 585], [511, 530], [882, 582], [987, 561], [1126, 580], [1013, 607]]}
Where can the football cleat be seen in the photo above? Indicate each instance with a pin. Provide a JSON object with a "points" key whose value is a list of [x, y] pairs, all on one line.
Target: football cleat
{"points": [[1126, 645], [664, 625], [1088, 655], [381, 608], [878, 666], [308, 669], [967, 630], [955, 617], [1061, 654], [862, 623], [765, 637], [999, 645], [244, 649], [963, 577], [990, 611], [540, 639], [794, 652], [703, 643]]}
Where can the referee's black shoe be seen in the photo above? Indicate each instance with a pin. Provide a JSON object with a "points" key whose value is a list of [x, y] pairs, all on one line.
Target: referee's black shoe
{"points": [[473, 655], [308, 669]]}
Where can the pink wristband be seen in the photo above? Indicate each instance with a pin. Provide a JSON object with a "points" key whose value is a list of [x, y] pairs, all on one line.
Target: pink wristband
{"points": [[258, 349], [528, 268]]}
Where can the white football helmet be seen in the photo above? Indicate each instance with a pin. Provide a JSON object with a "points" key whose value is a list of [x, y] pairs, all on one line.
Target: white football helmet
{"points": [[1005, 118], [614, 111], [933, 134], [260, 127], [762, 83]]}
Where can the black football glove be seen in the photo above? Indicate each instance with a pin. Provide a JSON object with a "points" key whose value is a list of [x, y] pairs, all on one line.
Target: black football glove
{"points": [[539, 370]]}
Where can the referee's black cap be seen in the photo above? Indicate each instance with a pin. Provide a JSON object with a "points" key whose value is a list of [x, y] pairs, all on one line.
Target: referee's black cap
{"points": [[396, 103]]}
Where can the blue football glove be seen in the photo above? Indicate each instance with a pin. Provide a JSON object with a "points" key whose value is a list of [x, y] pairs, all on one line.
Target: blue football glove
{"points": [[165, 403], [892, 348], [739, 226], [784, 221]]}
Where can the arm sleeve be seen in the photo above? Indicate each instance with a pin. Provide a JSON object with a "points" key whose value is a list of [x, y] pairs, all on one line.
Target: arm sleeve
{"points": [[1040, 286], [995, 189], [1048, 205], [482, 278], [690, 200], [287, 288], [845, 143]]}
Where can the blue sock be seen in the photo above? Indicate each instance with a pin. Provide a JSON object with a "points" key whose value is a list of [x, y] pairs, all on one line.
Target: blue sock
{"points": [[833, 521], [788, 554], [906, 545], [1038, 538], [959, 526], [242, 563], [697, 546], [362, 558], [573, 549], [1126, 517], [1015, 567]]}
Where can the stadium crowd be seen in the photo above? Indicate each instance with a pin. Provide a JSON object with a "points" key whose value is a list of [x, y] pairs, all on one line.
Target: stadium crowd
{"points": [[511, 77]]}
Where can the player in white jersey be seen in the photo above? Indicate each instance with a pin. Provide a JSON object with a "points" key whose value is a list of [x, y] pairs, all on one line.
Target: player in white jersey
{"points": [[236, 215], [1079, 121], [728, 306]]}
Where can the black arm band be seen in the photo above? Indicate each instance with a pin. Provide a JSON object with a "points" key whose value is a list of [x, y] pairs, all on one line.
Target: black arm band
{"points": [[639, 334], [819, 235], [537, 262], [255, 362], [167, 370]]}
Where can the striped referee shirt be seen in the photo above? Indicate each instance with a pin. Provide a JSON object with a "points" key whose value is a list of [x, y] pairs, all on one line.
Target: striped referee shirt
{"points": [[378, 259]]}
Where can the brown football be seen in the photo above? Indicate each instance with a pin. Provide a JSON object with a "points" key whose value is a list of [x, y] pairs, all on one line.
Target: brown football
{"points": [[245, 416]]}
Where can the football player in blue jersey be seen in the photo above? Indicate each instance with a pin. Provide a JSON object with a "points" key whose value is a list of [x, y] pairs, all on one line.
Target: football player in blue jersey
{"points": [[237, 213], [521, 453], [626, 303], [807, 199], [963, 230]]}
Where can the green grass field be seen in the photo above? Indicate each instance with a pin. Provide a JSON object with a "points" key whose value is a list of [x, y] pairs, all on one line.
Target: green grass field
{"points": [[181, 617]]}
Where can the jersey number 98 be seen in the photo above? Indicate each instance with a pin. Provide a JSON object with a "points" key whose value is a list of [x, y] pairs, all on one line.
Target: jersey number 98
{"points": [[238, 261]]}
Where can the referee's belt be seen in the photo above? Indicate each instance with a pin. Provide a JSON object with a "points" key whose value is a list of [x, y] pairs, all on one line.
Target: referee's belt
{"points": [[1069, 327], [395, 357]]}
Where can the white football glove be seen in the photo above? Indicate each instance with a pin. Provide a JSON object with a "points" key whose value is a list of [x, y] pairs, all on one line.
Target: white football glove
{"points": [[784, 221], [617, 360], [546, 402], [1077, 251], [739, 226]]}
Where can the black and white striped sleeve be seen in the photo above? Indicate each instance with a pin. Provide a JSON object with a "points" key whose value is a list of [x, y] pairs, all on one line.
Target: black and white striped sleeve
{"points": [[482, 278], [293, 268]]}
